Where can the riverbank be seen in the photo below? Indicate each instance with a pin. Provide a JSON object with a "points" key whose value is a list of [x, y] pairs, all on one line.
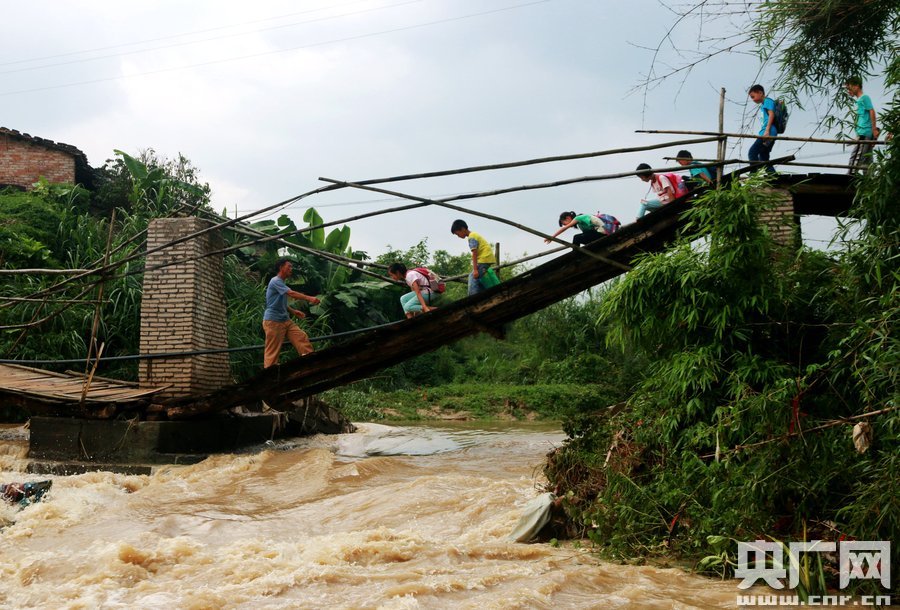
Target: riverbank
{"points": [[467, 402]]}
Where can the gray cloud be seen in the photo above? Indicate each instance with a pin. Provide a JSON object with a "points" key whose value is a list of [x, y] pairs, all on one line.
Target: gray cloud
{"points": [[365, 94]]}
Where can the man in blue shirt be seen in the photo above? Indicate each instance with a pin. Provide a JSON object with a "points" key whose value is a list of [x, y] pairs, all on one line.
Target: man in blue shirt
{"points": [[277, 322], [761, 149], [866, 129]]}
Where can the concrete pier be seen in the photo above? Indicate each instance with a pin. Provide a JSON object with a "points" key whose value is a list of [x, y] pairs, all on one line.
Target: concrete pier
{"points": [[71, 445]]}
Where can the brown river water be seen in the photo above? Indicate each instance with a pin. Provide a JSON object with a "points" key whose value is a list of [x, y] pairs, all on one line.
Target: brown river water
{"points": [[388, 517]]}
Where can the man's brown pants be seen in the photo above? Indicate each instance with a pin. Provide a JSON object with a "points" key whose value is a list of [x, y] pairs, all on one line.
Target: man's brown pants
{"points": [[276, 332]]}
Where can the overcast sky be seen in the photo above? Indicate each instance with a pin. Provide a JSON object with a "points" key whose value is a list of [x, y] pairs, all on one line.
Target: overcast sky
{"points": [[265, 97]]}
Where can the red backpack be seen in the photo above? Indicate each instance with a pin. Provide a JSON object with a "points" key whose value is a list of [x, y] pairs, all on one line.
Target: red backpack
{"points": [[677, 183], [434, 282]]}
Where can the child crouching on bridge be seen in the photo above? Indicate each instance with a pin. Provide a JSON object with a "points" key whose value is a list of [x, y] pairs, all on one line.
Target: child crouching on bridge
{"points": [[666, 186], [700, 176], [593, 226], [422, 295]]}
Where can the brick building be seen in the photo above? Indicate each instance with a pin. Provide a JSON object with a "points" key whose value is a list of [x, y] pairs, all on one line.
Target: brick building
{"points": [[25, 158]]}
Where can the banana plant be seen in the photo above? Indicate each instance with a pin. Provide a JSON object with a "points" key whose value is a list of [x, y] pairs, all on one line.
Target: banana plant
{"points": [[345, 302], [154, 191]]}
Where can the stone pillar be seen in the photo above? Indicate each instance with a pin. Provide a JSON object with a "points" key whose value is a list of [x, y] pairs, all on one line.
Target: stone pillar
{"points": [[781, 220], [183, 309]]}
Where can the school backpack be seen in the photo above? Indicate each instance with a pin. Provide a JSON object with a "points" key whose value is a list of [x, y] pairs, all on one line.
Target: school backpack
{"points": [[781, 115], [677, 184], [434, 282], [610, 223]]}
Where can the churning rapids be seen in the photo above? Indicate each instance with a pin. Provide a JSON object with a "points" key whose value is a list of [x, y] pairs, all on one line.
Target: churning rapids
{"points": [[389, 517]]}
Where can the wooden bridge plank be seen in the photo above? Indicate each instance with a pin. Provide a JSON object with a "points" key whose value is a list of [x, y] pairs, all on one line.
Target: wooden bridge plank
{"points": [[48, 391]]}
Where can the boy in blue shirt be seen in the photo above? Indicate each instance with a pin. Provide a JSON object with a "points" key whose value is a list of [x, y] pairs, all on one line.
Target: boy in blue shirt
{"points": [[761, 149], [866, 129]]}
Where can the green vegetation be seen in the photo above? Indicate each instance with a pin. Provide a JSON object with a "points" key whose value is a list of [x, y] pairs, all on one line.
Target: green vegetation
{"points": [[552, 364], [480, 400], [759, 362], [64, 227]]}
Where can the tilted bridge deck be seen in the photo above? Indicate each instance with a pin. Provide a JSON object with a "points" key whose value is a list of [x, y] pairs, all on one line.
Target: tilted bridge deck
{"points": [[569, 274], [489, 311]]}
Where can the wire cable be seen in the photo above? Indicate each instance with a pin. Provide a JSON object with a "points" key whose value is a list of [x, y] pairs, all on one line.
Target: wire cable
{"points": [[171, 36], [199, 352], [194, 42], [274, 52]]}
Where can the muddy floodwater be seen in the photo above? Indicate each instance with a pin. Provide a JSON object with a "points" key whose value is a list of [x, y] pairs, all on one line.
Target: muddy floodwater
{"points": [[389, 517]]}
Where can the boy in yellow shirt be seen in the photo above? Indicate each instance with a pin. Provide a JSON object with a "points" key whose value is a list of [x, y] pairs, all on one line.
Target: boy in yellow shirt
{"points": [[482, 254]]}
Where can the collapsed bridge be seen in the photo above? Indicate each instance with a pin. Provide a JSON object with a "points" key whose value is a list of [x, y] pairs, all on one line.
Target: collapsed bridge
{"points": [[174, 413]]}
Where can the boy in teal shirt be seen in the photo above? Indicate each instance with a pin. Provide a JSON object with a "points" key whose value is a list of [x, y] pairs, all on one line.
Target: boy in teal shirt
{"points": [[700, 176], [866, 129], [593, 227]]}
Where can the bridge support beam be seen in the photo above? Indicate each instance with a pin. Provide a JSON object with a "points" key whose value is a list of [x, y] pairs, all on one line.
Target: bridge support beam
{"points": [[183, 309]]}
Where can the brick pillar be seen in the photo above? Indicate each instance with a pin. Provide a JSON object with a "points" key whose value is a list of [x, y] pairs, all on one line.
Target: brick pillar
{"points": [[183, 309], [782, 221]]}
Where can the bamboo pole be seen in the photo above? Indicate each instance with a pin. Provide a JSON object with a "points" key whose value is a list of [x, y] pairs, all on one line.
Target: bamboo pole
{"points": [[95, 326], [758, 137], [496, 166], [329, 256], [511, 263], [828, 165], [89, 376], [44, 271], [247, 230], [77, 274], [531, 257], [28, 300], [723, 142], [499, 219], [112, 267], [497, 256], [795, 163], [130, 240], [420, 204], [830, 424], [567, 181], [51, 315]]}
